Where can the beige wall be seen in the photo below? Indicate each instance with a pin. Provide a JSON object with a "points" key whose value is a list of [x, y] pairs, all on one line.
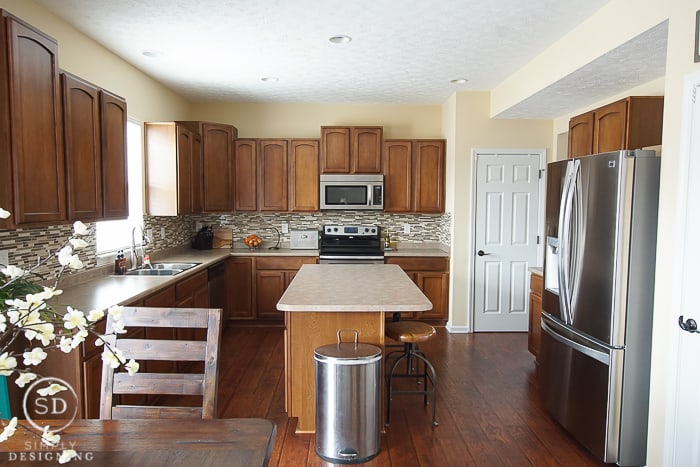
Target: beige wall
{"points": [[467, 115], [146, 98], [277, 120]]}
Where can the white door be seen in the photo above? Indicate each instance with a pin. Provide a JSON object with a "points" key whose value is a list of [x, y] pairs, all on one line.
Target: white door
{"points": [[685, 419], [506, 227]]}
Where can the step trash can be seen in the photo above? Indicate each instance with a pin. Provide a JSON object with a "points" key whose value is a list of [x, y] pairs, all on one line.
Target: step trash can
{"points": [[348, 401]]}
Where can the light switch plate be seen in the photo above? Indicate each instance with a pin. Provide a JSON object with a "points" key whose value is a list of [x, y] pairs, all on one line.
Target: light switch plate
{"points": [[162, 233], [285, 228], [4, 258], [407, 228]]}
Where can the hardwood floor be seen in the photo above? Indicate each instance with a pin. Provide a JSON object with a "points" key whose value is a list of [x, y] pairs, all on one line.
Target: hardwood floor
{"points": [[488, 409]]}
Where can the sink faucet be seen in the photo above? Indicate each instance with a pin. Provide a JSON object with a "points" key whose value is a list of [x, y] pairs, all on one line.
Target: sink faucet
{"points": [[136, 260]]}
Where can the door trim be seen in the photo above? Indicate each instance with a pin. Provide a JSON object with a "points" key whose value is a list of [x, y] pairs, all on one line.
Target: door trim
{"points": [[540, 216]]}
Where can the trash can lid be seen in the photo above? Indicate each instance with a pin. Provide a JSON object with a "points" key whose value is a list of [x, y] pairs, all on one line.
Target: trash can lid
{"points": [[347, 353]]}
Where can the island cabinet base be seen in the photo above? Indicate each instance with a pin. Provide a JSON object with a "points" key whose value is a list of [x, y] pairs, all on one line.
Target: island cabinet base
{"points": [[305, 332]]}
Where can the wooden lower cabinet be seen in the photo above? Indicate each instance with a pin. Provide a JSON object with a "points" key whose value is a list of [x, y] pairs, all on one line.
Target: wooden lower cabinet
{"points": [[534, 329], [431, 275], [239, 288], [272, 276]]}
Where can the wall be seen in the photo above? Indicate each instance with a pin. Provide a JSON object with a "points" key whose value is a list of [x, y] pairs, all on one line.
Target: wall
{"points": [[278, 120], [467, 117]]}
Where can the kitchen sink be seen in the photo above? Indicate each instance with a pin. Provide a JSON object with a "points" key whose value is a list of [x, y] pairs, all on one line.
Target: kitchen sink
{"points": [[153, 272], [162, 269], [167, 266]]}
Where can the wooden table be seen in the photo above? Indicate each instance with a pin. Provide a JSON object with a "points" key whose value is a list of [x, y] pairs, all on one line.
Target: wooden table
{"points": [[324, 298], [240, 442]]}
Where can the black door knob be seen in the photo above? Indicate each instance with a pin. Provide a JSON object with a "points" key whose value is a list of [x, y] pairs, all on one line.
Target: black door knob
{"points": [[482, 253], [688, 325]]}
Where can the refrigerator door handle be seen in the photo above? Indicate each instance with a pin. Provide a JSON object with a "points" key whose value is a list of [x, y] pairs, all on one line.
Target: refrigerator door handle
{"points": [[564, 257], [602, 357]]}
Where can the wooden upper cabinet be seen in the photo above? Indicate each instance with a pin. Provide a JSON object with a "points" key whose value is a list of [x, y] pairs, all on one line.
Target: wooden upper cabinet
{"points": [[335, 150], [32, 164], [173, 169], [630, 123], [273, 174], [581, 135], [429, 176], [303, 175], [246, 174], [114, 159], [398, 173], [351, 149], [366, 149], [81, 124], [217, 166]]}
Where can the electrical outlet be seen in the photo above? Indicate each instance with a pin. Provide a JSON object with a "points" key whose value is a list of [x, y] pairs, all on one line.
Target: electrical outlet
{"points": [[285, 228], [198, 226], [149, 235], [162, 233], [4, 258], [407, 228]]}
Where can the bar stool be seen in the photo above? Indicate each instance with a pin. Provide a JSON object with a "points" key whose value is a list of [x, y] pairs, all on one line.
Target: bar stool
{"points": [[410, 333]]}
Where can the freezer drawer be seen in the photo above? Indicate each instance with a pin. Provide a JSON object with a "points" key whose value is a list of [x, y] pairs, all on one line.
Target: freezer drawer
{"points": [[576, 381]]}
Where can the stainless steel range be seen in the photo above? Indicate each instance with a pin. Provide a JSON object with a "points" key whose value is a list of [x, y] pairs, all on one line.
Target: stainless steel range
{"points": [[351, 244]]}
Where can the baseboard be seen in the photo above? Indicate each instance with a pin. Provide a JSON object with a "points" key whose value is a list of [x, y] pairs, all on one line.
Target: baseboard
{"points": [[452, 329]]}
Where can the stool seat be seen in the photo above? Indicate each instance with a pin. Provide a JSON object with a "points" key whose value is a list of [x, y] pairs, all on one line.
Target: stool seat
{"points": [[409, 332]]}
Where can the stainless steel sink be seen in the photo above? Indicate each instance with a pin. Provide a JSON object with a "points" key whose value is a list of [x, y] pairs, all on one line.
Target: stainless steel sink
{"points": [[153, 272], [167, 266]]}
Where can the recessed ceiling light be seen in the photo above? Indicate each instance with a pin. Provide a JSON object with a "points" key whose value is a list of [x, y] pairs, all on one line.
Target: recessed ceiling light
{"points": [[340, 39], [459, 81], [152, 53], [270, 79]]}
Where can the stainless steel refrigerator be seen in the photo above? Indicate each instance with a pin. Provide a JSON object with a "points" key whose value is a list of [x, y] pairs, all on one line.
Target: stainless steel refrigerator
{"points": [[600, 227]]}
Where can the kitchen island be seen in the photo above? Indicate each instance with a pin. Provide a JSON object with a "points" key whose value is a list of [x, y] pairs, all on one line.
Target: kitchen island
{"points": [[324, 298]]}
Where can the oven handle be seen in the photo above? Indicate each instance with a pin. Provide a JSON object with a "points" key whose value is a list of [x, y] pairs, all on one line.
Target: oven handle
{"points": [[351, 257]]}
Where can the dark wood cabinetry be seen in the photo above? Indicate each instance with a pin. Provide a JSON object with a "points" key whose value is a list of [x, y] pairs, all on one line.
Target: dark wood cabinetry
{"points": [[630, 123], [82, 139], [414, 176], [303, 175], [32, 164], [173, 169], [272, 276], [356, 149], [277, 175], [239, 288], [431, 275], [114, 160], [95, 151], [534, 328], [273, 175]]}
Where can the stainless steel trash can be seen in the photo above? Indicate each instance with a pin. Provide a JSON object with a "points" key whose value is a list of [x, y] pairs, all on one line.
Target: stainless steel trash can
{"points": [[348, 402]]}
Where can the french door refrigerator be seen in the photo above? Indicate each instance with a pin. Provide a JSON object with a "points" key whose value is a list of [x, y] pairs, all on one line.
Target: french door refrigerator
{"points": [[600, 223]]}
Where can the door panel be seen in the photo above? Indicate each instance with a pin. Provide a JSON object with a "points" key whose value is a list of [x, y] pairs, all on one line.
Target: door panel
{"points": [[507, 201]]}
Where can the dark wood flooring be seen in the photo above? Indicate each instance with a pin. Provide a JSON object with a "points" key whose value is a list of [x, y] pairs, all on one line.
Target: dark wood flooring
{"points": [[488, 409]]}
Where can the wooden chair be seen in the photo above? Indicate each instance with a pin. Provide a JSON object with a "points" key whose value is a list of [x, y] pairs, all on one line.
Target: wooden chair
{"points": [[186, 322]]}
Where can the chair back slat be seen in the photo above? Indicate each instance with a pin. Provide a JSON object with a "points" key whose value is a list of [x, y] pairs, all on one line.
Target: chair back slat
{"points": [[199, 379]]}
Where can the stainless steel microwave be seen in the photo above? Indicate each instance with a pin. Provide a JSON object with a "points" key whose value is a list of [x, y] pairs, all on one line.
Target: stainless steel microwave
{"points": [[357, 191]]}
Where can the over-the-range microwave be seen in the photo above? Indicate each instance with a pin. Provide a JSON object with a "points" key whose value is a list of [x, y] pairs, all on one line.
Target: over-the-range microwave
{"points": [[356, 191]]}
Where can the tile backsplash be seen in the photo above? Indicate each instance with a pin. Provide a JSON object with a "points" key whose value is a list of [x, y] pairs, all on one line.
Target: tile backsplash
{"points": [[26, 246]]}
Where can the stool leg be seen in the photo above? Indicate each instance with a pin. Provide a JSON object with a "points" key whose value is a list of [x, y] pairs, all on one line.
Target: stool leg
{"points": [[389, 390], [431, 371]]}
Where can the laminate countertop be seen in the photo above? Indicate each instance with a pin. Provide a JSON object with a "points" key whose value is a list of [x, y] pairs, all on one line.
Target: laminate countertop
{"points": [[353, 287]]}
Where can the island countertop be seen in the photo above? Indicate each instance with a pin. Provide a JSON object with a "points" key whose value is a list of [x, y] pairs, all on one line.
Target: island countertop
{"points": [[351, 288]]}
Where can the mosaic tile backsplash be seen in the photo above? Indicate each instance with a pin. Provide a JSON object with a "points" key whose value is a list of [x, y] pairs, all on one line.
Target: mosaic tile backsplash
{"points": [[26, 245]]}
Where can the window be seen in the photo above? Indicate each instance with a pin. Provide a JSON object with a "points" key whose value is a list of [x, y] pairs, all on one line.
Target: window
{"points": [[116, 235]]}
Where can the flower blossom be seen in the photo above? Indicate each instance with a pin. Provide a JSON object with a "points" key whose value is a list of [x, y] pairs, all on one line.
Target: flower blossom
{"points": [[67, 258], [13, 272], [9, 430], [51, 389], [112, 357], [35, 356], [95, 315], [4, 214], [116, 312], [24, 378], [78, 243], [66, 344], [80, 229], [7, 364], [49, 437], [3, 323], [78, 338], [67, 455], [74, 319], [132, 367]]}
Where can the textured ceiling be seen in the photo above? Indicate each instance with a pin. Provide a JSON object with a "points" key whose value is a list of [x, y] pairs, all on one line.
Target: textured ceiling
{"points": [[403, 51]]}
